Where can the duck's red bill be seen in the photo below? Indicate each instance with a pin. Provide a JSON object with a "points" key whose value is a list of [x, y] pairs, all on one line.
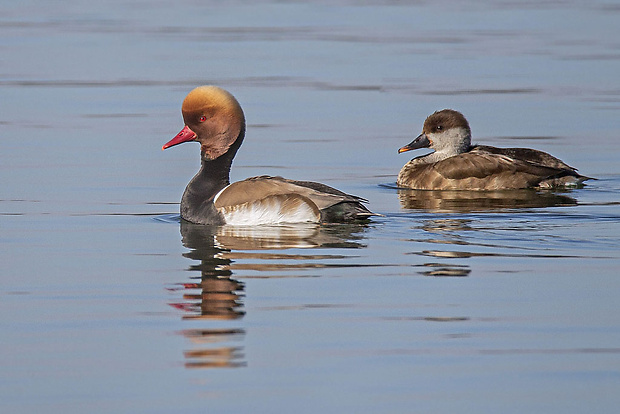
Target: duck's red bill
{"points": [[185, 135]]}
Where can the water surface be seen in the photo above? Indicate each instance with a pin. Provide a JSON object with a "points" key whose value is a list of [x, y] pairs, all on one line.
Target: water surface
{"points": [[494, 302]]}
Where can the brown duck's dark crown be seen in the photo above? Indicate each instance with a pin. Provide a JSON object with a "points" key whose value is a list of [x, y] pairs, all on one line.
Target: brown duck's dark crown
{"points": [[444, 120]]}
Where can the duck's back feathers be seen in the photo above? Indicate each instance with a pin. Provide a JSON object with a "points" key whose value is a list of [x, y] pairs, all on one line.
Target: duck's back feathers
{"points": [[490, 168], [526, 154]]}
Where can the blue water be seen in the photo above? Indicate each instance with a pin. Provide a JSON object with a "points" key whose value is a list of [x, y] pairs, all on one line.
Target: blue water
{"points": [[502, 302]]}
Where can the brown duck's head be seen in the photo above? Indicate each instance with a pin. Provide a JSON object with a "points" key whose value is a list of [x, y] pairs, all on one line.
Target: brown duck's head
{"points": [[212, 117], [444, 131]]}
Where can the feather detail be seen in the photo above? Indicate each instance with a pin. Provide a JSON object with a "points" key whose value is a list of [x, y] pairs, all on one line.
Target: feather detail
{"points": [[274, 209]]}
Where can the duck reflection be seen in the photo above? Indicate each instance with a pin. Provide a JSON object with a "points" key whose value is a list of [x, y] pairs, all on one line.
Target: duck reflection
{"points": [[212, 295], [472, 201], [210, 350], [445, 270], [310, 235], [445, 231], [220, 296], [453, 231], [216, 295]]}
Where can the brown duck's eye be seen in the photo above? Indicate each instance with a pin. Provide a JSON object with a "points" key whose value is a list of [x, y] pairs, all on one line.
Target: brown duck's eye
{"points": [[203, 118], [439, 127]]}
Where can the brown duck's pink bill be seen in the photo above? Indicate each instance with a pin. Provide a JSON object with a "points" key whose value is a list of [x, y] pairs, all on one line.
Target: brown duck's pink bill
{"points": [[185, 135]]}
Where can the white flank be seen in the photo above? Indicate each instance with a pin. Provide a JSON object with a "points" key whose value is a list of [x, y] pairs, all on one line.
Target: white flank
{"points": [[218, 194], [268, 211]]}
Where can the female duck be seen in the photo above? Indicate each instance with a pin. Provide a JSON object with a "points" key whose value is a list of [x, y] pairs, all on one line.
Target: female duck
{"points": [[457, 165], [214, 118]]}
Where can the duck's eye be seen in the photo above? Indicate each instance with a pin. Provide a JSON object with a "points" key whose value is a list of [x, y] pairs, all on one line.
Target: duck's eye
{"points": [[439, 127], [203, 118]]}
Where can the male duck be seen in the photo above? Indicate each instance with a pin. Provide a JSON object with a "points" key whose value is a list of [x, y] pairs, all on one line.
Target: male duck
{"points": [[214, 118]]}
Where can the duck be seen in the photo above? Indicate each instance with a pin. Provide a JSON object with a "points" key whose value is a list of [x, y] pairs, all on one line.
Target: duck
{"points": [[456, 164], [213, 117]]}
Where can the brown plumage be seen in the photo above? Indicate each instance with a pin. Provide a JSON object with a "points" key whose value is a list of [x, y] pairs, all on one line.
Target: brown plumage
{"points": [[458, 165], [214, 118]]}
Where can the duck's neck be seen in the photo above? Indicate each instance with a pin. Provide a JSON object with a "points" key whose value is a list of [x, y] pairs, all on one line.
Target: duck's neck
{"points": [[431, 158], [211, 178], [197, 201]]}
